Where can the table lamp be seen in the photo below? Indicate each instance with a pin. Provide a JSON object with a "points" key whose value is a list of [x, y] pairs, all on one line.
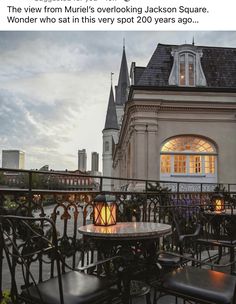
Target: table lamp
{"points": [[104, 210], [218, 202]]}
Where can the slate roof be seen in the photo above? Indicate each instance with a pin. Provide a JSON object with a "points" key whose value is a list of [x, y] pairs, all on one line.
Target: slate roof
{"points": [[138, 73], [111, 117], [123, 82], [218, 64]]}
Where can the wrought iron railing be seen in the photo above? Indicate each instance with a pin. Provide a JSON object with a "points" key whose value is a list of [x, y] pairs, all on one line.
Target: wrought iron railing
{"points": [[67, 198]]}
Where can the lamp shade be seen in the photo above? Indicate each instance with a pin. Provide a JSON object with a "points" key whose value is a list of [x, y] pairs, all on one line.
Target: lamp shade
{"points": [[104, 210], [218, 202]]}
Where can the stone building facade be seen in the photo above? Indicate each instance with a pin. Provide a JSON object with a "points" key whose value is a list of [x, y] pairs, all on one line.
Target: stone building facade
{"points": [[179, 120]]}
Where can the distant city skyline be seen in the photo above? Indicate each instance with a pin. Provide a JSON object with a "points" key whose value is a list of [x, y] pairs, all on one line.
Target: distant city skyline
{"points": [[94, 162], [82, 160], [13, 159], [54, 87]]}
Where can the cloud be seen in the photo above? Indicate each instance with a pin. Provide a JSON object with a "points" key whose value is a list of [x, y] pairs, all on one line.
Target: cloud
{"points": [[31, 125], [54, 87]]}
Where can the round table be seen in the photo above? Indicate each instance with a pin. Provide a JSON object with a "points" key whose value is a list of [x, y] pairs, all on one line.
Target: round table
{"points": [[127, 231], [131, 240]]}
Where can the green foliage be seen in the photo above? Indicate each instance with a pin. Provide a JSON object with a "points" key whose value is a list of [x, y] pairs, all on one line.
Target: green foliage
{"points": [[2, 179], [131, 209], [6, 297], [9, 204]]}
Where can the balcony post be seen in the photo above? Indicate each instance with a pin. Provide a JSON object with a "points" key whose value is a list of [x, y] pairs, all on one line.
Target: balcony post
{"points": [[30, 195]]}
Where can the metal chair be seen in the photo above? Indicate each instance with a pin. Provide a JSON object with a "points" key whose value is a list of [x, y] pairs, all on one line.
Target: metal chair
{"points": [[194, 283], [185, 231], [39, 272], [219, 232], [199, 285]]}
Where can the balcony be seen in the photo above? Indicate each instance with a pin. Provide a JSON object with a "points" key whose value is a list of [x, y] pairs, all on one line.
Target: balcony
{"points": [[67, 198]]}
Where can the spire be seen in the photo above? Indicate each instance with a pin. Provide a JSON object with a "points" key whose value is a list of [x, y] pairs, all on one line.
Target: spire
{"points": [[111, 118], [123, 82], [112, 78], [193, 42]]}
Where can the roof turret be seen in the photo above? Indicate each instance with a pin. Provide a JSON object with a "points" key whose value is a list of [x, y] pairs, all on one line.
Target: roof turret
{"points": [[111, 117], [123, 82]]}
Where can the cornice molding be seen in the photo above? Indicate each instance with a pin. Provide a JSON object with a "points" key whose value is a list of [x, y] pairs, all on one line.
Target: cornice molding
{"points": [[135, 108]]}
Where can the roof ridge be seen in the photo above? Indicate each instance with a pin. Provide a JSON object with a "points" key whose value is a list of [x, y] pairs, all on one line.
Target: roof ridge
{"points": [[218, 64], [201, 46]]}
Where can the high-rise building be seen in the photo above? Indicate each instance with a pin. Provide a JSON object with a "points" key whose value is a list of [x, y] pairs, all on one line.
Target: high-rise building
{"points": [[82, 160], [94, 162], [13, 159]]}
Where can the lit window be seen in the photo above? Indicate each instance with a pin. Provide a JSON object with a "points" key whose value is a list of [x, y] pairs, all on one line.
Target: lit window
{"points": [[182, 70], [191, 70], [187, 143], [187, 70], [165, 164], [210, 164], [188, 155], [179, 163], [195, 164]]}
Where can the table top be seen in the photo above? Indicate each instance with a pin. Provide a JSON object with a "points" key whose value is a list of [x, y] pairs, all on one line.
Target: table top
{"points": [[127, 230]]}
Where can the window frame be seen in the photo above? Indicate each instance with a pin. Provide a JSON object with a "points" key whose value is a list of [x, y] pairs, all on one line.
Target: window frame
{"points": [[186, 61], [207, 167]]}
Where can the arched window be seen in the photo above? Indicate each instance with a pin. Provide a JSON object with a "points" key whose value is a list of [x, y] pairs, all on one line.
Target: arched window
{"points": [[187, 69], [189, 156]]}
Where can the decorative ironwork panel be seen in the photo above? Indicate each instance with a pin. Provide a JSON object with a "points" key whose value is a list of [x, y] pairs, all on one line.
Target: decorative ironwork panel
{"points": [[208, 187], [184, 187]]}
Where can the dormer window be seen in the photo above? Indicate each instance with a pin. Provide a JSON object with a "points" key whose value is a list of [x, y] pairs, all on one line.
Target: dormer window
{"points": [[187, 69]]}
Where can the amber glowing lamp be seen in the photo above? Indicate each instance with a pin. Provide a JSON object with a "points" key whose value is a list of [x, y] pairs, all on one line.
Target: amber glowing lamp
{"points": [[218, 202], [104, 210]]}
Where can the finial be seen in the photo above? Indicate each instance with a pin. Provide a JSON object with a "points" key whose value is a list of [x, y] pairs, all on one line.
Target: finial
{"points": [[111, 77], [193, 42], [123, 43]]}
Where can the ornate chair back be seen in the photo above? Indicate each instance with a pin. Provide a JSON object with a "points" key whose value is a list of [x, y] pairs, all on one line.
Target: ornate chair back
{"points": [[186, 227], [32, 253]]}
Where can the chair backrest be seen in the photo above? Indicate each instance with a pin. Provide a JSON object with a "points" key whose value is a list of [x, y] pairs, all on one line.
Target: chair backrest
{"points": [[220, 225], [32, 253], [68, 217], [186, 225]]}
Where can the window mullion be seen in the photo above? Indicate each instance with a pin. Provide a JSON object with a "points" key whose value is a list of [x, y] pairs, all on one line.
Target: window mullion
{"points": [[172, 164], [187, 164], [203, 163], [186, 70]]}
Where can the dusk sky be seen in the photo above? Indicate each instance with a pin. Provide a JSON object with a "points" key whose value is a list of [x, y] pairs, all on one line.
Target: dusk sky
{"points": [[54, 87]]}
